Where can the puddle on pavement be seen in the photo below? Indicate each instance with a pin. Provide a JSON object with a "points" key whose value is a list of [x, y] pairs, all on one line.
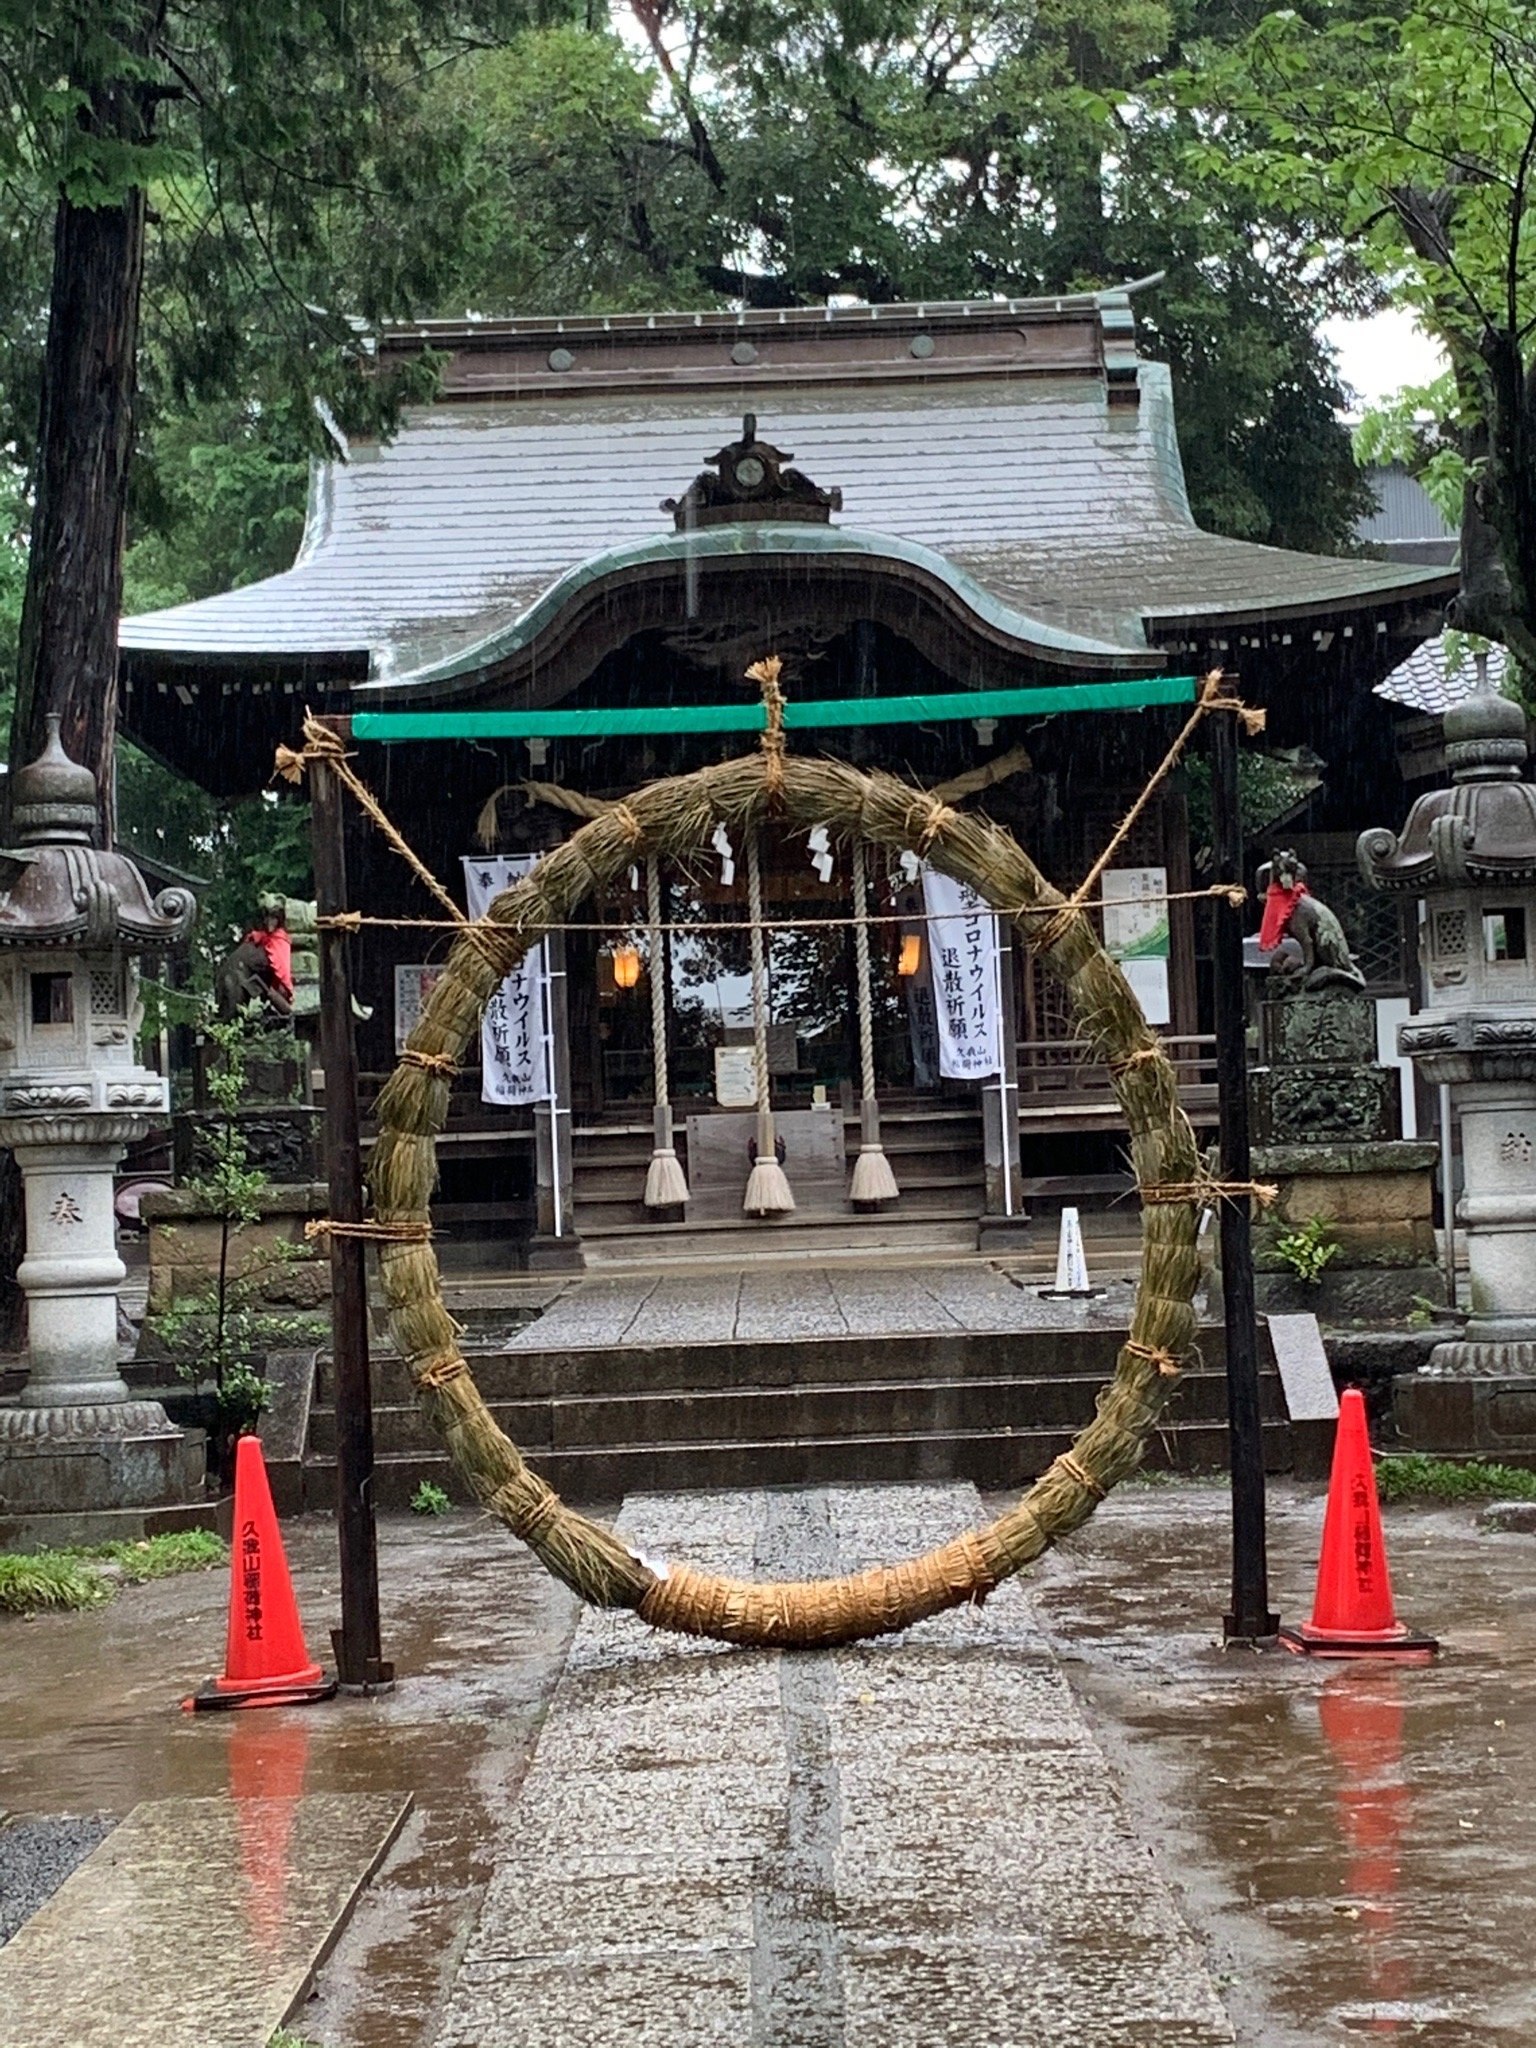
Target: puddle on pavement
{"points": [[1353, 1840], [90, 1723]]}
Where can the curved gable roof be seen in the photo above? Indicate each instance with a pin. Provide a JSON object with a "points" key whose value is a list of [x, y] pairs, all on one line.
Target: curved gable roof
{"points": [[1027, 468]]}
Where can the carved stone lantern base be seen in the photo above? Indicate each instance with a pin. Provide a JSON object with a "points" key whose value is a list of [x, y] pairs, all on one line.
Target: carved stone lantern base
{"points": [[76, 1461]]}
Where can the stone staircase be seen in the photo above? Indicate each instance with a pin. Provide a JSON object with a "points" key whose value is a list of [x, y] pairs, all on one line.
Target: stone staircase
{"points": [[936, 1153], [993, 1407]]}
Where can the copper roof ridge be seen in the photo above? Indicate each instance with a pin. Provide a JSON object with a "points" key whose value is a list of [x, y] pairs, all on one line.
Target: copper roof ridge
{"points": [[672, 325]]}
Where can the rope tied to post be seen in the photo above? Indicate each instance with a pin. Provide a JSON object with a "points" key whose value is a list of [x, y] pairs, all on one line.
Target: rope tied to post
{"points": [[323, 743], [765, 674], [1213, 696], [407, 1231], [1205, 1193]]}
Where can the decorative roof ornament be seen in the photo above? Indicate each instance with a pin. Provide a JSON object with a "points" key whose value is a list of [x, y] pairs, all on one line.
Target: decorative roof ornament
{"points": [[1483, 828], [753, 482], [57, 887]]}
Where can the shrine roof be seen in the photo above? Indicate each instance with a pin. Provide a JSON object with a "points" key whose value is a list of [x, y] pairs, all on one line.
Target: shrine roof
{"points": [[1018, 454]]}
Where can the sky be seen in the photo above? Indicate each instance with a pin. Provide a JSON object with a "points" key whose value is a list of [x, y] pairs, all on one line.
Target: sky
{"points": [[1379, 355]]}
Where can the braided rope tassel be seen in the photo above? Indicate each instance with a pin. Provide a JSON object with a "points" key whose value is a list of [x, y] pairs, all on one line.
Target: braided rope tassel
{"points": [[873, 1180], [666, 1187], [768, 1190]]}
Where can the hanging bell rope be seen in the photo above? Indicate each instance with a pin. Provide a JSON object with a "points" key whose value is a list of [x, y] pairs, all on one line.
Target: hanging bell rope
{"points": [[768, 1190], [665, 1184], [873, 1180]]}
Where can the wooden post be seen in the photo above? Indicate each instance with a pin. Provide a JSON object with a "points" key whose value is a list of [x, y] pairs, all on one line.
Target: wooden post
{"points": [[360, 1665], [1250, 1619]]}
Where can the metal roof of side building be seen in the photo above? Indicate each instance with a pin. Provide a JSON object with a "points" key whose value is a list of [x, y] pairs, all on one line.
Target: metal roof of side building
{"points": [[1025, 442], [1442, 673]]}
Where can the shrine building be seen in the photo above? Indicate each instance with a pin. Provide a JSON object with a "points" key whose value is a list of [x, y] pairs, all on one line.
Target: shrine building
{"points": [[964, 530]]}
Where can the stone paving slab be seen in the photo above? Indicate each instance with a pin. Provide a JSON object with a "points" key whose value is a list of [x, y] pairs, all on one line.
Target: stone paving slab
{"points": [[882, 1847], [594, 1313], [695, 1310], [800, 1302], [197, 1922]]}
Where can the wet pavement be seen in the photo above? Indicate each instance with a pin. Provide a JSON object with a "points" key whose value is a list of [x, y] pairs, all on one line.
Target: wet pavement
{"points": [[90, 1724], [1351, 1845], [1356, 1844], [865, 1848], [197, 1920]]}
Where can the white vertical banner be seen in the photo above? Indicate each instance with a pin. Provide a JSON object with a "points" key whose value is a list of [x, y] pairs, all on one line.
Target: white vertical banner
{"points": [[514, 1063], [963, 952]]}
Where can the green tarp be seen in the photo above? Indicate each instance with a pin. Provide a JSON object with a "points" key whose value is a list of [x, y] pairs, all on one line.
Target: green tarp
{"points": [[615, 722]]}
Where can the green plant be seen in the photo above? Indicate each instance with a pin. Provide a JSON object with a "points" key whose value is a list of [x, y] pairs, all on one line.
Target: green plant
{"points": [[1308, 1249], [220, 1333], [51, 1578], [162, 1557], [430, 1500], [1423, 1313], [1418, 1476], [73, 1578]]}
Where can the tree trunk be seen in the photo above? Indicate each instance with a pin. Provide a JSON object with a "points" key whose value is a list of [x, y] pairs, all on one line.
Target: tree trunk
{"points": [[1510, 497], [74, 588]]}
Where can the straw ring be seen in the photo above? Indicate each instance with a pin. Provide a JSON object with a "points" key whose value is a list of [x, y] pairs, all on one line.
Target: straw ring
{"points": [[677, 817]]}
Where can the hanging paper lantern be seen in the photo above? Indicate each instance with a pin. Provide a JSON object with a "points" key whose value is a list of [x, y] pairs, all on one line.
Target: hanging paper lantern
{"points": [[910, 958], [626, 966]]}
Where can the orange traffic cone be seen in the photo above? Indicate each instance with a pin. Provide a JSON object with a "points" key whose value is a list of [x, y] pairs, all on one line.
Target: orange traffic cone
{"points": [[1352, 1612], [266, 1662]]}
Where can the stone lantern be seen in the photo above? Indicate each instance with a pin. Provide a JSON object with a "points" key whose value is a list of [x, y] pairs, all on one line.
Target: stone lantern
{"points": [[72, 1096], [1470, 853]]}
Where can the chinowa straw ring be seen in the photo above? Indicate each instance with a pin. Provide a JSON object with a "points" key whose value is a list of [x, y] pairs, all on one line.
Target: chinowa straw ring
{"points": [[673, 819]]}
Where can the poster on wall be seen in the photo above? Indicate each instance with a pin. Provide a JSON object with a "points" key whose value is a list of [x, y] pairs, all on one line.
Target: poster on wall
{"points": [[414, 983], [962, 952], [1136, 934], [513, 1066]]}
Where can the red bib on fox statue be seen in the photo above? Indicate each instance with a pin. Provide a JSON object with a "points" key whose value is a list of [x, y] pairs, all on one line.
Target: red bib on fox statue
{"points": [[1278, 904]]}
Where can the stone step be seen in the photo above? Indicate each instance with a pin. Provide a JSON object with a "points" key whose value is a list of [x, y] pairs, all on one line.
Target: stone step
{"points": [[985, 1458], [918, 1175], [930, 1228], [916, 1407], [198, 1920], [603, 1219], [608, 1369]]}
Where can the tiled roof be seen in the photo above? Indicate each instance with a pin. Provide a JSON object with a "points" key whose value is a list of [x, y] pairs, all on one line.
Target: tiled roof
{"points": [[1440, 673], [1063, 500]]}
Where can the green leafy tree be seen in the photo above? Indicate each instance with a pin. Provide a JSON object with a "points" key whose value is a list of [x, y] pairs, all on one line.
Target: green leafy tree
{"points": [[221, 168], [783, 152], [1413, 141]]}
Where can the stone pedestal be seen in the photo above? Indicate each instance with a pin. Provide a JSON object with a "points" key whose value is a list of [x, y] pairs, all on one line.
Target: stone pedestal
{"points": [[184, 1241], [76, 1443], [1377, 1201], [1326, 1118], [1319, 1083]]}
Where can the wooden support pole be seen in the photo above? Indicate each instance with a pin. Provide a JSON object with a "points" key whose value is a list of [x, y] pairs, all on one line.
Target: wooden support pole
{"points": [[1250, 1619], [360, 1664]]}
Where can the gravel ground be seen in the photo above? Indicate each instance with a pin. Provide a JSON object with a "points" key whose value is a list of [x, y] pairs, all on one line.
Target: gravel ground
{"points": [[37, 1853]]}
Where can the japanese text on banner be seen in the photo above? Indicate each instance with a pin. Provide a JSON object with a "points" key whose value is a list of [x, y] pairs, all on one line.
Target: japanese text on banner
{"points": [[512, 1050], [962, 946]]}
